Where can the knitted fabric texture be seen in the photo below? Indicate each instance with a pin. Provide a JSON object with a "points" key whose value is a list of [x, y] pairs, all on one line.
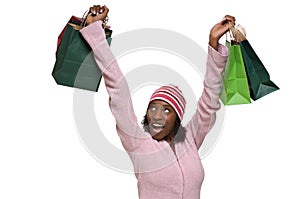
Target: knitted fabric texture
{"points": [[173, 96]]}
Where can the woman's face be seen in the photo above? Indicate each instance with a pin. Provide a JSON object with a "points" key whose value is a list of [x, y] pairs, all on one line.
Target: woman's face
{"points": [[162, 119]]}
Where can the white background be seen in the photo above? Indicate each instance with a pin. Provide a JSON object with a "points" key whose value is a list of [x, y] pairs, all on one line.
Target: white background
{"points": [[41, 155]]}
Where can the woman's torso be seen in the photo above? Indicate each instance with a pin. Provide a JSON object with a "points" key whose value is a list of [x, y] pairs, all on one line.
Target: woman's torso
{"points": [[164, 173]]}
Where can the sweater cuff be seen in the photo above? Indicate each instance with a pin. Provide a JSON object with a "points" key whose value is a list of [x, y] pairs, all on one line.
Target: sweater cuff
{"points": [[220, 56], [94, 34]]}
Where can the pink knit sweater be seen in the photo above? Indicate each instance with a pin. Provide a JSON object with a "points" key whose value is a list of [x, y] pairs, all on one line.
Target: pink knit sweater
{"points": [[161, 172]]}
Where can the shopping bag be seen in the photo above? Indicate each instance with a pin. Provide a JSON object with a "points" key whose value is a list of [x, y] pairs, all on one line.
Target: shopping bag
{"points": [[72, 20], [258, 76], [235, 89], [75, 65], [80, 21]]}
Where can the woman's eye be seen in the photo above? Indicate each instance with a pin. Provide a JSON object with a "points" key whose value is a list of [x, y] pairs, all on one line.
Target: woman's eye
{"points": [[167, 110], [152, 108]]}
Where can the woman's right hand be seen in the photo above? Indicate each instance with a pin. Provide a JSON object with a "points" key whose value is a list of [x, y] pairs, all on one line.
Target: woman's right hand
{"points": [[97, 13], [220, 29]]}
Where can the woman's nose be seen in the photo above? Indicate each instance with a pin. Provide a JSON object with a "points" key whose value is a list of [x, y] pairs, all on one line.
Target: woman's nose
{"points": [[158, 115]]}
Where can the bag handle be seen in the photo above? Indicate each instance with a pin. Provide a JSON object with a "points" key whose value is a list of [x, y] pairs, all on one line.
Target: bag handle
{"points": [[83, 23], [231, 32], [237, 33], [84, 16], [241, 32]]}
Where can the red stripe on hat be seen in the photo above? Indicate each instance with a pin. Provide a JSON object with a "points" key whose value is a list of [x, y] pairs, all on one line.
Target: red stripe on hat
{"points": [[176, 95], [169, 99]]}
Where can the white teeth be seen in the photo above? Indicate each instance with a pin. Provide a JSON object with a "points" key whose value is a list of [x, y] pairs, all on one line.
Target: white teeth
{"points": [[158, 125]]}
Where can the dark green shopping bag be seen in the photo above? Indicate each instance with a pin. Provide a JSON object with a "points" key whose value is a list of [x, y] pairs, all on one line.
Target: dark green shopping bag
{"points": [[75, 65], [258, 76], [235, 88]]}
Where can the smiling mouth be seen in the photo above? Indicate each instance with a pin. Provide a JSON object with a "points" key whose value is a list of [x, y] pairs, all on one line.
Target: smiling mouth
{"points": [[156, 128]]}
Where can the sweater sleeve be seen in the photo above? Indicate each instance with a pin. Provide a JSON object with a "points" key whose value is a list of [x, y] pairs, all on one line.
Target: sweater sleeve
{"points": [[205, 116], [130, 133]]}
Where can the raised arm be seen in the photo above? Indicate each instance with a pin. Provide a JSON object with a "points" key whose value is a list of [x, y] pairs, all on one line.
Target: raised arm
{"points": [[120, 102], [208, 104]]}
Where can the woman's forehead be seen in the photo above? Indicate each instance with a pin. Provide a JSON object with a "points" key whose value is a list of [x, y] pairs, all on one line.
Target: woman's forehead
{"points": [[160, 102]]}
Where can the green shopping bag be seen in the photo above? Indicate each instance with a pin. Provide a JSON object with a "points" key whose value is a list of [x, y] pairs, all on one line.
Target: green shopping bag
{"points": [[258, 76], [235, 88], [75, 65]]}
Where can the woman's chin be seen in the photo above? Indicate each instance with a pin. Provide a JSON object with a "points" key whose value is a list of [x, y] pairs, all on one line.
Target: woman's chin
{"points": [[157, 137], [156, 134]]}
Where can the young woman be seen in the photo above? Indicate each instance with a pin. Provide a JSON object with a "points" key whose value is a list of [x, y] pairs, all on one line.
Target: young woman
{"points": [[164, 153]]}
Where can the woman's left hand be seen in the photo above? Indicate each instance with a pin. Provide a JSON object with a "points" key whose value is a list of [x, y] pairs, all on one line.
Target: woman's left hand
{"points": [[97, 13], [219, 30]]}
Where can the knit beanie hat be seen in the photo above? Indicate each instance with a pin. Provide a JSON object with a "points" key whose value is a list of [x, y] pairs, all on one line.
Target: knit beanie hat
{"points": [[173, 96]]}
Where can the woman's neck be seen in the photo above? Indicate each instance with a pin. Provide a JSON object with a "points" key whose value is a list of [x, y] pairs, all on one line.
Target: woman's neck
{"points": [[169, 138]]}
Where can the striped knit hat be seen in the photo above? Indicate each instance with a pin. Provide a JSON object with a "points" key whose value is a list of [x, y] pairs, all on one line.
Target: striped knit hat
{"points": [[173, 96]]}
